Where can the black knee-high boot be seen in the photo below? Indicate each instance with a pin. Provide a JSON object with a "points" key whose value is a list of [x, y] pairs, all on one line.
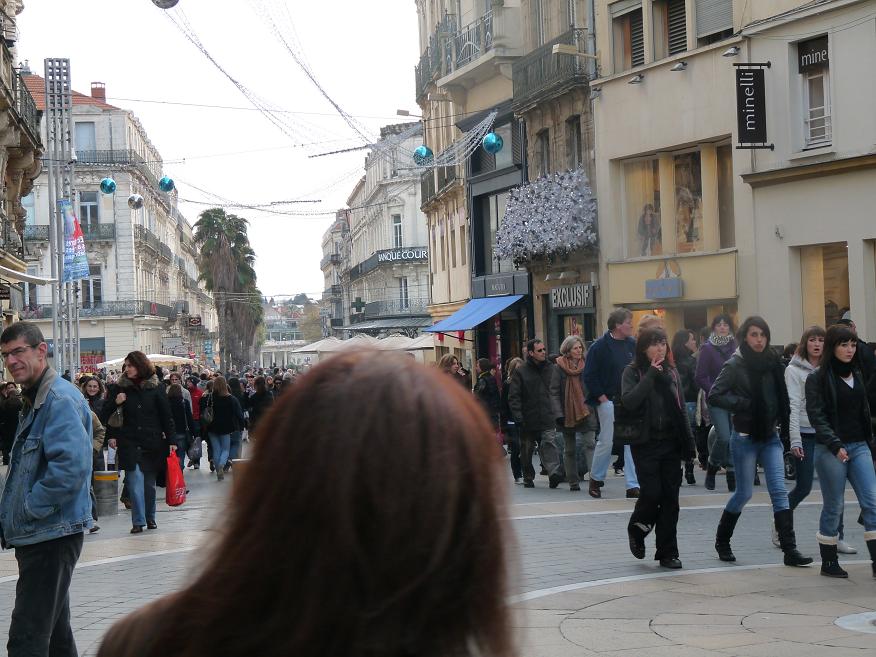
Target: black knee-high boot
{"points": [[724, 534], [785, 527], [870, 537]]}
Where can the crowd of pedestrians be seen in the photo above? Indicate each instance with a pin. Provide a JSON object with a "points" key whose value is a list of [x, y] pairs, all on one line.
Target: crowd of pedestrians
{"points": [[730, 402]]}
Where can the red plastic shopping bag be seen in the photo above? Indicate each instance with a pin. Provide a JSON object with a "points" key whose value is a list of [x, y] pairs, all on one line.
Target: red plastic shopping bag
{"points": [[175, 493]]}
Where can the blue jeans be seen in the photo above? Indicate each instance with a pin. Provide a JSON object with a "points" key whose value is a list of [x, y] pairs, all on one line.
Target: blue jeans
{"points": [[236, 441], [720, 451], [805, 472], [770, 454], [604, 443], [141, 490], [832, 476], [221, 445]]}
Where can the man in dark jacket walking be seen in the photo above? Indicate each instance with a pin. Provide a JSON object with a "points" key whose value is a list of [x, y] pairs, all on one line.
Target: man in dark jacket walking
{"points": [[606, 361], [530, 402]]}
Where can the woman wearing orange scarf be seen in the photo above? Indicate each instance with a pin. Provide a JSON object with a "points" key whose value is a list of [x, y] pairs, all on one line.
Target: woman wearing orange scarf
{"points": [[570, 410]]}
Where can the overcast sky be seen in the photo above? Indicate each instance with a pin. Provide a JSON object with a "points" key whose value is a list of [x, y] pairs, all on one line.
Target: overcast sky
{"points": [[362, 54]]}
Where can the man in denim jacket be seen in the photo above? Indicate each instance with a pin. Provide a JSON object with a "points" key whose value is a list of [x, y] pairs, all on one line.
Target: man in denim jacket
{"points": [[45, 507]]}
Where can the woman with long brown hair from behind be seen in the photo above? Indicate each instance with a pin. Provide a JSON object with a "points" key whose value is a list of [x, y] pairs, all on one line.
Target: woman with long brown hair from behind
{"points": [[405, 551]]}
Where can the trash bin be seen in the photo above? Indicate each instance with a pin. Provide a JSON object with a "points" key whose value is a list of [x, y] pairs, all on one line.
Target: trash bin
{"points": [[106, 492]]}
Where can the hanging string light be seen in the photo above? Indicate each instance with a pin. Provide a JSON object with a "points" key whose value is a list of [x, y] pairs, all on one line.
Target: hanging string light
{"points": [[550, 217]]}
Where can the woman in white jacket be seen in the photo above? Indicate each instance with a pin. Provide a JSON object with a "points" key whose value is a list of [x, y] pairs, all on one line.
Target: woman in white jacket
{"points": [[803, 363]]}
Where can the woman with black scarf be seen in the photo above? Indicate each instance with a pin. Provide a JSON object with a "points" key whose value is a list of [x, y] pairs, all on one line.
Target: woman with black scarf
{"points": [[838, 408], [652, 389], [751, 386]]}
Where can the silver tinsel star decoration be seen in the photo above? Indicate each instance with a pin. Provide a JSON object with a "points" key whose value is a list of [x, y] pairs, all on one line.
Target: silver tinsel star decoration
{"points": [[549, 217]]}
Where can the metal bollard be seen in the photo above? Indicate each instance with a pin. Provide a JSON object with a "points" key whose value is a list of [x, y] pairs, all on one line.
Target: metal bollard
{"points": [[106, 492]]}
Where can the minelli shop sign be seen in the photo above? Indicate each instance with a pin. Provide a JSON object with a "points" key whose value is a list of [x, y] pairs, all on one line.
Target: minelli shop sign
{"points": [[403, 254], [751, 108]]}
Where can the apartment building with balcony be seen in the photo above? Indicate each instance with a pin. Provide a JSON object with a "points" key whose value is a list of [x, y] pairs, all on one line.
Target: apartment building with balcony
{"points": [[464, 74], [552, 102], [20, 150], [691, 225], [388, 273], [334, 263], [142, 291]]}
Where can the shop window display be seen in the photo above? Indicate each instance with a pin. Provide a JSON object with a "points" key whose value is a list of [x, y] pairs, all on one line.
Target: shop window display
{"points": [[642, 208], [825, 283], [688, 202]]}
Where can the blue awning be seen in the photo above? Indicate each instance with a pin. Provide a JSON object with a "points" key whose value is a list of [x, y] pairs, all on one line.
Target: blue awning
{"points": [[473, 313]]}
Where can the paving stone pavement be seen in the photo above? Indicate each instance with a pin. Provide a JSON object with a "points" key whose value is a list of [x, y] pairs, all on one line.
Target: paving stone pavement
{"points": [[577, 590]]}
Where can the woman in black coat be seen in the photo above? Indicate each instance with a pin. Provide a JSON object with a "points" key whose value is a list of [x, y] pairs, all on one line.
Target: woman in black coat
{"points": [[183, 424], [652, 390], [143, 440], [259, 402], [227, 417], [10, 405]]}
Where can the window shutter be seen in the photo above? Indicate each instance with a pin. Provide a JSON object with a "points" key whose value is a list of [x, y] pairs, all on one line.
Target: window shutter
{"points": [[637, 39], [713, 16], [677, 27]]}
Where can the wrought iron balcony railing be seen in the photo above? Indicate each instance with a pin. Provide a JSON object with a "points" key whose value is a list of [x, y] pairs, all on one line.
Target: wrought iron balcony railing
{"points": [[25, 107], [392, 307], [36, 233], [106, 309], [541, 74], [165, 251], [91, 232], [473, 40], [427, 186], [120, 157], [99, 232]]}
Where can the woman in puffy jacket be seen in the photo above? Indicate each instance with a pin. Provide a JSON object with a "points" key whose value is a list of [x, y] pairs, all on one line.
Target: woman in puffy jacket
{"points": [[651, 387], [751, 387], [838, 408], [143, 442], [716, 351]]}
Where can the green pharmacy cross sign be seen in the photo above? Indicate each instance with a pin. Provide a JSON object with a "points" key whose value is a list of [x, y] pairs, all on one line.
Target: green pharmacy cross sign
{"points": [[358, 305]]}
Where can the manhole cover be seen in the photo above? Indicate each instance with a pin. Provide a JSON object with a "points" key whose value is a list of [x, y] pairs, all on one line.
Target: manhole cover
{"points": [[858, 622]]}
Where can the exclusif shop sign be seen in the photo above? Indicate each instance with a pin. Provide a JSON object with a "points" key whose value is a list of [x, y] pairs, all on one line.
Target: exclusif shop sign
{"points": [[751, 114]]}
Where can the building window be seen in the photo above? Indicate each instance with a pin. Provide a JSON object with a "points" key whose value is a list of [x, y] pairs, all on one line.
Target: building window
{"points": [[543, 152], [825, 283], [714, 20], [573, 142], [505, 157], [627, 34], [463, 246], [443, 252], [814, 67], [30, 290], [688, 202], [92, 292], [432, 253], [83, 137], [403, 300], [670, 27], [726, 217], [642, 208], [89, 214], [452, 247], [397, 241], [537, 8], [490, 211], [27, 202]]}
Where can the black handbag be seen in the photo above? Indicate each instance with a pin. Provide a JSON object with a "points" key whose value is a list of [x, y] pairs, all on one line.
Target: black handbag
{"points": [[629, 425]]}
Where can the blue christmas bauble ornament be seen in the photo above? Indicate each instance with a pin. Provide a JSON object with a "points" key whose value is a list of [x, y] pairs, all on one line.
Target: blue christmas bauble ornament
{"points": [[492, 143], [166, 184], [108, 185], [423, 155]]}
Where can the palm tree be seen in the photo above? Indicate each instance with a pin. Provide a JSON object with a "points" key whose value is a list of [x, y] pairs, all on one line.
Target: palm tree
{"points": [[226, 264]]}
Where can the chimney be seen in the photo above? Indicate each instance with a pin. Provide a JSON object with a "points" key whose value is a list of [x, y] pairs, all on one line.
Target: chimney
{"points": [[98, 91]]}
